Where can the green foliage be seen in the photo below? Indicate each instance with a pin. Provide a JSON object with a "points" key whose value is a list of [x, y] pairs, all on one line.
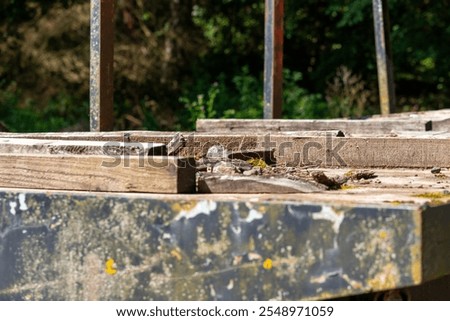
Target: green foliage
{"points": [[178, 61], [242, 97], [57, 115]]}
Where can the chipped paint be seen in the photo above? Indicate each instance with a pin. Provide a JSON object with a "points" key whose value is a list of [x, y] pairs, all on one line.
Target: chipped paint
{"points": [[329, 214], [180, 249], [197, 208], [253, 215], [22, 205], [12, 207]]}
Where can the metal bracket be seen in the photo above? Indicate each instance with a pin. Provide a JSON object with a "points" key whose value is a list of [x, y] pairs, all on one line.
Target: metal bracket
{"points": [[101, 69], [384, 56], [273, 59]]}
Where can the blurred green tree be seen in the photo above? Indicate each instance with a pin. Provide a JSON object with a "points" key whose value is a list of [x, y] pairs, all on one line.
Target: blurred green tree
{"points": [[179, 60]]}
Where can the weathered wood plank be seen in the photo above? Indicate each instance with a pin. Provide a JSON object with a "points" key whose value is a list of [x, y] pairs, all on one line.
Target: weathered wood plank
{"points": [[415, 134], [299, 148], [226, 184], [389, 152], [157, 174], [441, 124], [352, 126], [79, 147]]}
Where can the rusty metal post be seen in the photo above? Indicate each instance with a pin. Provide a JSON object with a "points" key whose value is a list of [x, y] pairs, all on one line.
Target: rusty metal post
{"points": [[101, 70], [273, 59], [384, 56]]}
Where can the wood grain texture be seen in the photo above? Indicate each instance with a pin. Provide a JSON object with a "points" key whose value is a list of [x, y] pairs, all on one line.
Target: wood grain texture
{"points": [[225, 184], [352, 126], [388, 152], [156, 174], [297, 148], [79, 147]]}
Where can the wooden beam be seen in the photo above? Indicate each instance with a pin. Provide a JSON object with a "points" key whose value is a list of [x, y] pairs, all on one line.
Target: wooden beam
{"points": [[300, 148], [273, 59], [227, 184], [158, 174], [359, 152], [79, 147], [354, 126], [102, 65], [384, 56]]}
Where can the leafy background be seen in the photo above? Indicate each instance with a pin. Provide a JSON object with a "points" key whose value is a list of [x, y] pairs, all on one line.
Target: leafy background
{"points": [[176, 61]]}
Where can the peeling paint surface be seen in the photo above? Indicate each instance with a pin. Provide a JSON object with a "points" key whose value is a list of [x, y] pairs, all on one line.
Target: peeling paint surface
{"points": [[174, 249]]}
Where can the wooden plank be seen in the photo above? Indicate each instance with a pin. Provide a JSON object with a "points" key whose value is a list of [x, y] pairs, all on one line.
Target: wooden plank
{"points": [[273, 59], [228, 184], [441, 124], [301, 149], [353, 126], [158, 174], [79, 147], [430, 114], [389, 152], [102, 65], [419, 134]]}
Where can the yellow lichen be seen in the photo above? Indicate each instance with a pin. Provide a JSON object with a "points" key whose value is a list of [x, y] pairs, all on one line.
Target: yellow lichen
{"points": [[183, 206], [268, 264], [433, 195], [257, 162], [176, 254], [347, 187], [387, 278], [436, 198], [110, 267]]}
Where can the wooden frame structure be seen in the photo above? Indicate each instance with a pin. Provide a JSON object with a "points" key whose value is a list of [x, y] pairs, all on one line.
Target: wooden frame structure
{"points": [[70, 203]]}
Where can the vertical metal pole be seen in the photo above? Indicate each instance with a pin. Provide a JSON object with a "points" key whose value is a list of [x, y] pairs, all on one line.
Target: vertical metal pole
{"points": [[384, 56], [273, 59], [102, 55]]}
